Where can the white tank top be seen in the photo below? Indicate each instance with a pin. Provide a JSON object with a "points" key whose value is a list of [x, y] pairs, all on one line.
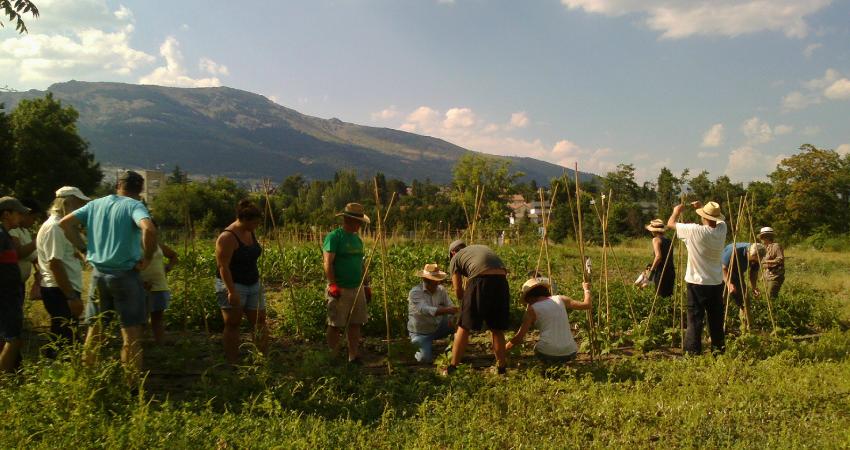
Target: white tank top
{"points": [[556, 337]]}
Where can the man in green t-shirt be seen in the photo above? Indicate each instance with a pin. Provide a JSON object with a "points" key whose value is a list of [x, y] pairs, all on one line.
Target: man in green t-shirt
{"points": [[343, 264]]}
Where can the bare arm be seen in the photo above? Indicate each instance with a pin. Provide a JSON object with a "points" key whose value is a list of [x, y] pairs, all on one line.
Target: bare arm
{"points": [[656, 247], [586, 303], [148, 240], [169, 253], [71, 228], [328, 264], [224, 248], [457, 284], [527, 321], [677, 210], [23, 250]]}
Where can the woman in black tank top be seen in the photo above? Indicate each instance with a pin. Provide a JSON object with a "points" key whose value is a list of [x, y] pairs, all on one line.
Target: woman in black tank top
{"points": [[238, 280], [662, 269]]}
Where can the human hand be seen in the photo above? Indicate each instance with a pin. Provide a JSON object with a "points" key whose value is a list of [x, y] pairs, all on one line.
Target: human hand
{"points": [[731, 287], [696, 204], [509, 346], [35, 291], [233, 299], [756, 292], [585, 285], [334, 290]]}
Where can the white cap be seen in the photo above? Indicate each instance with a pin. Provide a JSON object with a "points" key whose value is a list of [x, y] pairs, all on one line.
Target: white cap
{"points": [[70, 191], [766, 230]]}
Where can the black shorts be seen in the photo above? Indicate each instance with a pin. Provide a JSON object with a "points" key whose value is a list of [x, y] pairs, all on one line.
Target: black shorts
{"points": [[11, 313], [486, 303]]}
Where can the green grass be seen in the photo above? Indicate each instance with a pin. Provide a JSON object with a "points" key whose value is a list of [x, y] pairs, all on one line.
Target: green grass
{"points": [[765, 392]]}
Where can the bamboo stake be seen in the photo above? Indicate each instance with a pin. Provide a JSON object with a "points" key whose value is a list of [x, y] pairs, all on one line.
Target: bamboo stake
{"points": [[761, 270], [658, 288], [383, 239], [733, 260], [585, 275]]}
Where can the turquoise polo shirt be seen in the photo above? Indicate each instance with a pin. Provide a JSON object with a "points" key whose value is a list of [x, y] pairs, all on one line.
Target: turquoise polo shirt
{"points": [[114, 234]]}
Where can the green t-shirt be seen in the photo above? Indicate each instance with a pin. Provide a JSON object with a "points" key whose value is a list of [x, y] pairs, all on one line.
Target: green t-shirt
{"points": [[348, 259]]}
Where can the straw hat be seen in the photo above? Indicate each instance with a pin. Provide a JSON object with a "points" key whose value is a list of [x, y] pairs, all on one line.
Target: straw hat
{"points": [[711, 211], [656, 226], [355, 211], [533, 283], [766, 231], [432, 272]]}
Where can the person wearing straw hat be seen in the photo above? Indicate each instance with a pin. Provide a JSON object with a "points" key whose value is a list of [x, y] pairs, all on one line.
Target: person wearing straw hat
{"points": [[61, 269], [344, 269], [549, 314], [11, 301], [703, 274], [773, 262], [662, 271], [485, 300], [429, 311], [745, 260]]}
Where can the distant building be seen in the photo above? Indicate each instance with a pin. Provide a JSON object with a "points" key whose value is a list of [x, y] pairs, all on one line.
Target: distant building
{"points": [[155, 181]]}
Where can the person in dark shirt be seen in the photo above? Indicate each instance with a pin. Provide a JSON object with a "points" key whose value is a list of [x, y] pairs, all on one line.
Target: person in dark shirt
{"points": [[485, 300], [11, 299]]}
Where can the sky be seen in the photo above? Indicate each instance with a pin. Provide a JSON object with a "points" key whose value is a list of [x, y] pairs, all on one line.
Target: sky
{"points": [[726, 86]]}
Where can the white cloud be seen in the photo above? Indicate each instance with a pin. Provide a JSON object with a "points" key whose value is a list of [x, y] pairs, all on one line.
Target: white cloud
{"points": [[464, 127], [843, 149], [714, 136], [213, 68], [780, 130], [757, 131], [707, 155], [385, 114], [747, 163], [797, 100], [173, 73], [519, 120], [123, 13], [810, 49], [676, 19], [811, 130], [839, 90], [459, 118]]}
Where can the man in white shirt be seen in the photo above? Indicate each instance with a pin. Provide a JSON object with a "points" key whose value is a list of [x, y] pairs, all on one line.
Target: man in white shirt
{"points": [[429, 309], [704, 273]]}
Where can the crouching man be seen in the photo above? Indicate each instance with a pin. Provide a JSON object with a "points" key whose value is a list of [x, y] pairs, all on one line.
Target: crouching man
{"points": [[429, 312]]}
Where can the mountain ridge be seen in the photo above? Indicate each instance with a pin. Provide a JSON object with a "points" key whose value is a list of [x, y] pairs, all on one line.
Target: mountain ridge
{"points": [[243, 135]]}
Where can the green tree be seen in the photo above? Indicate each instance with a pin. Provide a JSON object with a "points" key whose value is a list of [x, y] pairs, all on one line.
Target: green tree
{"points": [[6, 150], [206, 206], [14, 11], [178, 176], [494, 175], [48, 152], [701, 186], [811, 191], [668, 191]]}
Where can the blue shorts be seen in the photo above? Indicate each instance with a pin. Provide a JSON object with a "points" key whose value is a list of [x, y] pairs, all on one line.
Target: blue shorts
{"points": [[118, 292], [158, 301], [252, 297]]}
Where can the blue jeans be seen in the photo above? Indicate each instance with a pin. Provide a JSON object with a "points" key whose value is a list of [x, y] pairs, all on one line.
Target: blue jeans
{"points": [[119, 292], [426, 341]]}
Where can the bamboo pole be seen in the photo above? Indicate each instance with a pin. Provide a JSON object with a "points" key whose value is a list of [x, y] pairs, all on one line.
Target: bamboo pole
{"points": [[763, 276], [733, 261], [381, 235], [585, 275]]}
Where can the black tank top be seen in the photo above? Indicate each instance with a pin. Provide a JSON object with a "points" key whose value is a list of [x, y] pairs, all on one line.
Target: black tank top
{"points": [[243, 263], [665, 274]]}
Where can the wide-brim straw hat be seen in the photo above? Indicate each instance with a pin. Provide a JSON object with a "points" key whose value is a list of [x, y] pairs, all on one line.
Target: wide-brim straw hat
{"points": [[432, 272], [355, 211], [656, 226], [766, 231], [711, 211], [533, 283]]}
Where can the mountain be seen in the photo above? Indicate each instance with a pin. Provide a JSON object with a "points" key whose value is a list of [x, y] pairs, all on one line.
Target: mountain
{"points": [[238, 134]]}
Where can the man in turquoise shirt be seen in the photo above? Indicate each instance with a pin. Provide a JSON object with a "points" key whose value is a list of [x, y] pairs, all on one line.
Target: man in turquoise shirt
{"points": [[118, 226]]}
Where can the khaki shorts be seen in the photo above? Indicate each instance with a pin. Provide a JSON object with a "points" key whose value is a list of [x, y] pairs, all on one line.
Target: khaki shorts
{"points": [[339, 308]]}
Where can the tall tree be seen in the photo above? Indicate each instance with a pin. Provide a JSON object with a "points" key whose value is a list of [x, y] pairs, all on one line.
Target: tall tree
{"points": [[43, 130], [668, 191], [6, 150], [482, 172]]}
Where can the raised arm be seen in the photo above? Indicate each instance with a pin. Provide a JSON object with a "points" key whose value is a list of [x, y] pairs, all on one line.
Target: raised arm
{"points": [[677, 210], [586, 303]]}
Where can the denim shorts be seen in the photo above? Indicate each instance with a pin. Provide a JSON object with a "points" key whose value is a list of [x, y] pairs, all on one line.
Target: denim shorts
{"points": [[158, 301], [120, 292], [251, 297]]}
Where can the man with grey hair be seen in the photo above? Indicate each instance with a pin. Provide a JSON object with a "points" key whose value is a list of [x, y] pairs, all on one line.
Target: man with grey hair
{"points": [[119, 228]]}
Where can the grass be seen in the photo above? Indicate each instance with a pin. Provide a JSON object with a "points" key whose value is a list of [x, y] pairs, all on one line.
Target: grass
{"points": [[766, 391]]}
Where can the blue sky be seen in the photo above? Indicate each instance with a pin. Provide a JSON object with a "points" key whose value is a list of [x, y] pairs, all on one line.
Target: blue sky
{"points": [[726, 86]]}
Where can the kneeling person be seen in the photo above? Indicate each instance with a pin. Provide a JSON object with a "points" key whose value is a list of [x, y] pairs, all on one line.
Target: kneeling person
{"points": [[549, 314], [429, 310]]}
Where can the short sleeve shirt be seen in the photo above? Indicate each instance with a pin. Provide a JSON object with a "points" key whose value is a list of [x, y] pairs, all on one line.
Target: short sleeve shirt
{"points": [[740, 256], [472, 260], [25, 264], [10, 273], [705, 246], [51, 244], [114, 233], [348, 257]]}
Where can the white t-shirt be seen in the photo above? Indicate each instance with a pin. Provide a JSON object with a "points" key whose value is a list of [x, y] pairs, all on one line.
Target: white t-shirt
{"points": [[705, 247], [51, 243], [24, 237], [556, 337]]}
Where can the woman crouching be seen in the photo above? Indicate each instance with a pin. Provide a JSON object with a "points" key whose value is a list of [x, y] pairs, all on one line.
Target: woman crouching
{"points": [[549, 314]]}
